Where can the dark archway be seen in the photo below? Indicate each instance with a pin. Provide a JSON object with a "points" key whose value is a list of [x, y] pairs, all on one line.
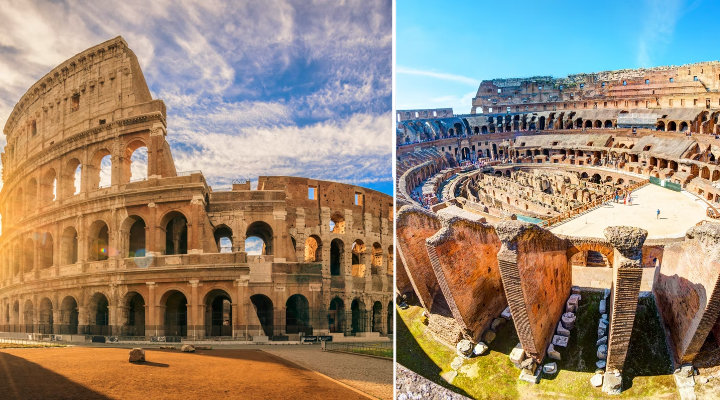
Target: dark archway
{"points": [[218, 314], [264, 309], [136, 238], [262, 231], [336, 255], [135, 318], [390, 312], [297, 315], [377, 317], [68, 316], [223, 239], [98, 315], [175, 314], [359, 316], [176, 233], [99, 240], [45, 316], [69, 246], [336, 315]]}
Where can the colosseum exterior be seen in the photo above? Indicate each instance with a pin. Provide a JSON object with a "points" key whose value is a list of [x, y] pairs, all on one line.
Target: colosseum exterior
{"points": [[497, 209], [163, 257]]}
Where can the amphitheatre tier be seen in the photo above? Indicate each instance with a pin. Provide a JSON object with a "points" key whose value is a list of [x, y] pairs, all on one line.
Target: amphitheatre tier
{"points": [[679, 211]]}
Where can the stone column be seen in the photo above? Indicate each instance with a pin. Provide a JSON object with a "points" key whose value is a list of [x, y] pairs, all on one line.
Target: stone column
{"points": [[194, 325], [627, 275], [82, 320], [240, 320], [151, 328]]}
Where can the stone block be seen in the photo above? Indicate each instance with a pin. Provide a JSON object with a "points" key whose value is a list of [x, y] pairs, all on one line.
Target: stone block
{"points": [[568, 320], [464, 348], [506, 314], [561, 330], [601, 332], [488, 336], [550, 368], [602, 340], [137, 355], [561, 341], [531, 377], [602, 352], [517, 355], [457, 362], [552, 353], [603, 309], [612, 383], [596, 380], [480, 349], [601, 364], [187, 348], [497, 322]]}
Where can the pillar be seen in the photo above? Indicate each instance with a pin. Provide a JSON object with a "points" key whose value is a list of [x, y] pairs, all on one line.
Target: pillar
{"points": [[195, 327], [627, 275], [151, 328], [240, 306]]}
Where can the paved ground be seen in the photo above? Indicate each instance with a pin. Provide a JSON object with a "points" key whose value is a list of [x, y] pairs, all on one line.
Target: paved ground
{"points": [[370, 375], [678, 212], [104, 373]]}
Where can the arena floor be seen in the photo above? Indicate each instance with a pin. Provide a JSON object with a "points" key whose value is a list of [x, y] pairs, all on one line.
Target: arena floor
{"points": [[104, 373], [679, 211]]}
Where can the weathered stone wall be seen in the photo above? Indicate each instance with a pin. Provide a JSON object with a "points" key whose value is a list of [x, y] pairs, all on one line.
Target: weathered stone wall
{"points": [[686, 289], [464, 257], [537, 279]]}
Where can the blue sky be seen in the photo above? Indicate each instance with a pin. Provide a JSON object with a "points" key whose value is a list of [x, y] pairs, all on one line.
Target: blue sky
{"points": [[444, 49], [252, 88]]}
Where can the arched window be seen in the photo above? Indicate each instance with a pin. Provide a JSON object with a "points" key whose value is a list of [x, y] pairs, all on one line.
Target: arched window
{"points": [[135, 162], [48, 191], [175, 313], [134, 325], [71, 178], [29, 255], [136, 237], [98, 315], [337, 223], [264, 309], [336, 257], [223, 238], [45, 247], [31, 195], [99, 240], [68, 316], [336, 315], [297, 315], [218, 313], [358, 266], [313, 249], [259, 239], [69, 246], [101, 170], [359, 316], [45, 316], [175, 233]]}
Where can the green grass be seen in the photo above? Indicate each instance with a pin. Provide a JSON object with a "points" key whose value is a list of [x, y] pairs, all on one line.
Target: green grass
{"points": [[647, 370], [387, 353], [27, 346]]}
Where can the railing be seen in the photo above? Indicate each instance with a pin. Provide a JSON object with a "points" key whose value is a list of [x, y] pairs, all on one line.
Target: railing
{"points": [[379, 349]]}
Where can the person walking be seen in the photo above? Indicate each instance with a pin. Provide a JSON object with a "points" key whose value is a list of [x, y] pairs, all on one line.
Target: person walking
{"points": [[657, 214]]}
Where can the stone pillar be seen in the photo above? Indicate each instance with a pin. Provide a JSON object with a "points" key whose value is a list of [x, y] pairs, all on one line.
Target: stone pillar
{"points": [[240, 320], [82, 320], [627, 275], [194, 324], [112, 320], [151, 328], [194, 244]]}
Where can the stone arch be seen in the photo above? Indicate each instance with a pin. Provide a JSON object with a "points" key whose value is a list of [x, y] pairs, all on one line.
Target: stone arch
{"points": [[135, 161], [224, 238], [133, 313], [29, 255], [377, 258], [377, 317], [69, 246], [297, 315], [265, 313], [48, 185], [337, 248], [45, 316], [218, 313], [134, 230], [98, 315], [71, 179], [313, 249], [29, 316], [68, 316], [175, 319], [175, 225], [100, 169], [45, 250], [263, 231], [98, 241], [337, 223], [359, 316], [336, 315], [604, 249], [357, 252]]}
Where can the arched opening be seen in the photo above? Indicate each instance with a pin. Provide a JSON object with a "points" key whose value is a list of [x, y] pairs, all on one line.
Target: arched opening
{"points": [[259, 239], [377, 258], [598, 124], [672, 126], [18, 205], [31, 195], [45, 247], [175, 314], [45, 316], [264, 309], [705, 173], [135, 162], [135, 315], [68, 316], [358, 266], [660, 126], [29, 255], [336, 315], [391, 256], [377, 317], [101, 170], [336, 256], [48, 190], [71, 178], [99, 241], [596, 259], [359, 316], [297, 315], [98, 315], [541, 123], [390, 310], [608, 124], [29, 316], [337, 223], [175, 233], [69, 246], [218, 313], [588, 124], [223, 239], [136, 238], [595, 178], [683, 126], [313, 249]]}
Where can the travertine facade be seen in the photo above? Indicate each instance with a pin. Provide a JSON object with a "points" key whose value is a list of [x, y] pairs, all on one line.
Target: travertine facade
{"points": [[163, 254]]}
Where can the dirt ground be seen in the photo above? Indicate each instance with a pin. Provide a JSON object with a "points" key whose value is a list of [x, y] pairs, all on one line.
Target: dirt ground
{"points": [[105, 373]]}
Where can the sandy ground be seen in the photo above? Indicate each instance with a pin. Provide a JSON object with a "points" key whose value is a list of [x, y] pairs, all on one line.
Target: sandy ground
{"points": [[679, 211], [104, 373], [370, 375]]}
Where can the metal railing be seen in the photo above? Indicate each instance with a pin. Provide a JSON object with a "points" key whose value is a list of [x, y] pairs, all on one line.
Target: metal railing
{"points": [[377, 349]]}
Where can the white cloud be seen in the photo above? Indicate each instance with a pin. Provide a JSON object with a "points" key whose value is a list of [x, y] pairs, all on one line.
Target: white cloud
{"points": [[438, 75], [658, 26]]}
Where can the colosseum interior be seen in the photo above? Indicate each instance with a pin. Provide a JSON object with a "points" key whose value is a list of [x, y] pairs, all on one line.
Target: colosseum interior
{"points": [[547, 192], [103, 238]]}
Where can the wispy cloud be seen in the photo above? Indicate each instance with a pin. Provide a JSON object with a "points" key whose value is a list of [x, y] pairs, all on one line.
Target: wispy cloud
{"points": [[658, 26], [438, 75], [274, 87]]}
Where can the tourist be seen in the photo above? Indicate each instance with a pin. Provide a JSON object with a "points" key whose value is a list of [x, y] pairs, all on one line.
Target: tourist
{"points": [[657, 214]]}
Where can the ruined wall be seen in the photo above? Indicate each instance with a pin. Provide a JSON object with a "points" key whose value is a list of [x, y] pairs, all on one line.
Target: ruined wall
{"points": [[686, 289], [464, 257], [413, 226], [537, 278]]}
